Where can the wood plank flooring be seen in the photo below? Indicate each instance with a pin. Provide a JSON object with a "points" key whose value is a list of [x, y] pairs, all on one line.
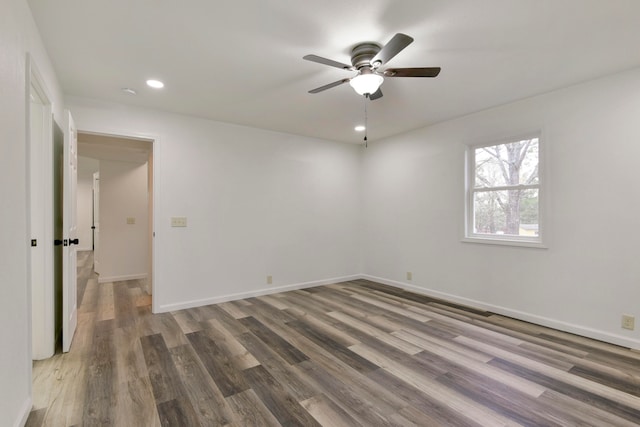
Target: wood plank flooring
{"points": [[349, 354]]}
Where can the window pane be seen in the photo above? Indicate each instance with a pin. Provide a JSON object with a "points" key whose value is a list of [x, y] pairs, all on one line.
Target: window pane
{"points": [[509, 212], [507, 164]]}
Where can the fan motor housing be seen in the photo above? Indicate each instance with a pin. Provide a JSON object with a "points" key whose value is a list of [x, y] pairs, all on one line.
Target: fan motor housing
{"points": [[362, 54]]}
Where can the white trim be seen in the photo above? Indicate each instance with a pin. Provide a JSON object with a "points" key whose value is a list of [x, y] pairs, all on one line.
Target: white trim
{"points": [[121, 278], [504, 241], [23, 413], [469, 236], [507, 188], [516, 314], [257, 293]]}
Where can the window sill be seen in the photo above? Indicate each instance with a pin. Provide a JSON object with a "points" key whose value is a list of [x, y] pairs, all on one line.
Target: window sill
{"points": [[505, 242]]}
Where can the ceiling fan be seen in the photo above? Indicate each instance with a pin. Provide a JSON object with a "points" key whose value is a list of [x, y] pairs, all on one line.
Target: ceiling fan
{"points": [[366, 59]]}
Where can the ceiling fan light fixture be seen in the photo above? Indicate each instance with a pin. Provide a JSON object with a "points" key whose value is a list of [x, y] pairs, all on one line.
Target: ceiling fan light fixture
{"points": [[366, 83]]}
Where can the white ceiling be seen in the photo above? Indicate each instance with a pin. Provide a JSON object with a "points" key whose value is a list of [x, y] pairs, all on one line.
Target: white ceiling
{"points": [[241, 61]]}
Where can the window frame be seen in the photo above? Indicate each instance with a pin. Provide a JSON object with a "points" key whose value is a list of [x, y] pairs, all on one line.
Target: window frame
{"points": [[470, 236]]}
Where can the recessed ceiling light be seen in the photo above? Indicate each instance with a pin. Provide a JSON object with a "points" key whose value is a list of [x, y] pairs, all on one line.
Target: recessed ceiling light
{"points": [[129, 91], [156, 84], [359, 128]]}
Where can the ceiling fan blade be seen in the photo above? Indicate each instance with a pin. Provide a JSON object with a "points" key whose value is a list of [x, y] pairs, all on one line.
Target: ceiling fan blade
{"points": [[412, 72], [329, 86], [325, 61], [391, 49], [376, 95]]}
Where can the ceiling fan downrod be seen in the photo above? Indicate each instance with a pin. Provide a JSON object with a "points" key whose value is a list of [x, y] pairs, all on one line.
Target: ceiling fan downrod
{"points": [[366, 121]]}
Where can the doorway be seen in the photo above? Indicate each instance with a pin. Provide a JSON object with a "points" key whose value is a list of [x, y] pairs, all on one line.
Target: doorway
{"points": [[50, 173], [115, 205]]}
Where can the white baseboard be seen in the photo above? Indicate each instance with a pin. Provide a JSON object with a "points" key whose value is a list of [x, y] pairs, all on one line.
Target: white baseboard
{"points": [[481, 305], [251, 294], [21, 420], [107, 279], [516, 314]]}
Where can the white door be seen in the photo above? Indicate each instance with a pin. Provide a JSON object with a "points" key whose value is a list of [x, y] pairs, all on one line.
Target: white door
{"points": [[96, 222], [70, 238], [41, 254]]}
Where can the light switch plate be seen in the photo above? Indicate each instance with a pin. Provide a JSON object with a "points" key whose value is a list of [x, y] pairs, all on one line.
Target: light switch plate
{"points": [[179, 221], [131, 220]]}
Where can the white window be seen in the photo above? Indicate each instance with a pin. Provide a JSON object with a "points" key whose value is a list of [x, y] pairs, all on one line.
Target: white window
{"points": [[503, 193]]}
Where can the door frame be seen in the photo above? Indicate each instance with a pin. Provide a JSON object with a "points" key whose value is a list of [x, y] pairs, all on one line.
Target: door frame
{"points": [[70, 236], [153, 203], [95, 202], [45, 346]]}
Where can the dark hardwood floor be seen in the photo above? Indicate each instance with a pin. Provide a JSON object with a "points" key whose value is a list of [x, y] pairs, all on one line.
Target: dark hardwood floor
{"points": [[350, 354]]}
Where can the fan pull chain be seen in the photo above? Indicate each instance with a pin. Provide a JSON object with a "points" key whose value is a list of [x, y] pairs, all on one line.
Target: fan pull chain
{"points": [[366, 124]]}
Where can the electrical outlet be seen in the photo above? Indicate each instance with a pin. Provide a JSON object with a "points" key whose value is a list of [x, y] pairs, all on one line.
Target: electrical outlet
{"points": [[409, 275], [628, 322], [269, 280]]}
